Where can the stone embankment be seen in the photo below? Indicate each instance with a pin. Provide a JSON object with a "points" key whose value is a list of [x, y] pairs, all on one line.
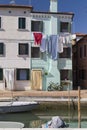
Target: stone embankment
{"points": [[44, 95]]}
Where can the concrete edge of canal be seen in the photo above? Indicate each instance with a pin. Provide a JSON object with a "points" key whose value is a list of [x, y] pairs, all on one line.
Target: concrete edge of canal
{"points": [[43, 99], [42, 128]]}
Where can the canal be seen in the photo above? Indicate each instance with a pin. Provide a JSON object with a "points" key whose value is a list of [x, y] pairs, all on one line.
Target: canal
{"points": [[46, 110]]}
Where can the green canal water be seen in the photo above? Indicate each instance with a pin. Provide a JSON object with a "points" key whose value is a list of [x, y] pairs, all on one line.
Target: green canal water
{"points": [[44, 113]]}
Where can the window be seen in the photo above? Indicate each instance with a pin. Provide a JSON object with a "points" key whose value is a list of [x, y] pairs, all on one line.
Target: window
{"points": [[65, 27], [84, 50], [0, 22], [22, 23], [82, 74], [65, 74], [1, 48], [37, 26], [22, 74], [1, 74], [80, 52], [23, 49], [35, 52], [66, 53]]}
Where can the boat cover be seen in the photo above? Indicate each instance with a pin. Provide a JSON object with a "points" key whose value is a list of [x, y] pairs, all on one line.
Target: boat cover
{"points": [[56, 122]]}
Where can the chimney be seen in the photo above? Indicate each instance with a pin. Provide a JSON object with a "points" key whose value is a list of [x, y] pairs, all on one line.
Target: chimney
{"points": [[53, 5], [12, 2]]}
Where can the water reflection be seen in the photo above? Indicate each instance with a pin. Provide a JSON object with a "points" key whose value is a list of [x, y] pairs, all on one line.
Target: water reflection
{"points": [[44, 113]]}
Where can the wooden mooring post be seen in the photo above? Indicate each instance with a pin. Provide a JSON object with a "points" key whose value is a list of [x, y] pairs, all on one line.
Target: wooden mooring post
{"points": [[79, 110]]}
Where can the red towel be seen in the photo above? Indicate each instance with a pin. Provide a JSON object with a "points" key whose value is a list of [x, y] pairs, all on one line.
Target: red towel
{"points": [[37, 38]]}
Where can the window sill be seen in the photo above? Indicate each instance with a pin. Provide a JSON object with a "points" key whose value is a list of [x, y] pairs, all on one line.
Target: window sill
{"points": [[1, 29], [23, 55], [23, 80], [23, 30], [1, 55], [36, 58]]}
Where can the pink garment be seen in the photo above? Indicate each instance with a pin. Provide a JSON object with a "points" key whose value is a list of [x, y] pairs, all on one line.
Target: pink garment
{"points": [[37, 38]]}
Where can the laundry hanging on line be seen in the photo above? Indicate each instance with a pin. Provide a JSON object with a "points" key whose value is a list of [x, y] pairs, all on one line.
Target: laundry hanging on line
{"points": [[37, 38], [53, 44]]}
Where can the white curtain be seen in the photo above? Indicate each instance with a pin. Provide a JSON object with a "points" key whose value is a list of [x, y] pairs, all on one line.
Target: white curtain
{"points": [[9, 78]]}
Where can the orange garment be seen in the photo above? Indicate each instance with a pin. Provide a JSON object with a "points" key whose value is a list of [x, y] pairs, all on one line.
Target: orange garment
{"points": [[37, 38]]}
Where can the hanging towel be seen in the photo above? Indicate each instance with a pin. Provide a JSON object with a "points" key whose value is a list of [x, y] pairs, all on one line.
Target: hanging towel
{"points": [[44, 42], [60, 44], [53, 44], [49, 45], [37, 38]]}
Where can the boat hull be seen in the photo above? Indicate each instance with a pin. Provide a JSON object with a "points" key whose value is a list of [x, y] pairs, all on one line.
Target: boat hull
{"points": [[9, 124], [17, 107]]}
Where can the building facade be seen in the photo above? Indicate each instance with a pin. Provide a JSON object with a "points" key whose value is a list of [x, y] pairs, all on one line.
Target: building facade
{"points": [[23, 65], [80, 63]]}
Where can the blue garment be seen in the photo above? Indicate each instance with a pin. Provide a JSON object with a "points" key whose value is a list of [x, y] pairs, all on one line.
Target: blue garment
{"points": [[49, 47], [53, 46], [43, 45]]}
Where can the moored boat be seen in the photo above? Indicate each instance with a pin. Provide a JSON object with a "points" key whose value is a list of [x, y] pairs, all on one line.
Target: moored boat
{"points": [[10, 124], [17, 106]]}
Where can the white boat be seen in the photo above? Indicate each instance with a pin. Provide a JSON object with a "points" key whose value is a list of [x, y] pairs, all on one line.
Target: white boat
{"points": [[10, 124], [17, 106]]}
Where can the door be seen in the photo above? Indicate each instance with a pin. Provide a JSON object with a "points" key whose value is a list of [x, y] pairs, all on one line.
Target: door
{"points": [[36, 79]]}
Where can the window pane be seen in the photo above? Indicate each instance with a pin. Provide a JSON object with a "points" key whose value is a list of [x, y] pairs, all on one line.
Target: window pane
{"points": [[35, 52], [23, 49], [37, 26], [66, 53], [65, 27], [80, 52], [82, 74], [22, 74], [65, 74], [84, 50], [1, 48], [1, 74], [22, 23], [0, 22]]}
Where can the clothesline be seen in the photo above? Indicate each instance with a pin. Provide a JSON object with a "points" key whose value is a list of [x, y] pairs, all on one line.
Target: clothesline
{"points": [[52, 44]]}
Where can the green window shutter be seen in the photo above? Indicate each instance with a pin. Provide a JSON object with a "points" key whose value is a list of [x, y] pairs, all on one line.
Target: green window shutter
{"points": [[69, 27], [1, 48], [27, 48], [17, 74], [19, 23], [1, 74], [41, 26], [28, 74], [59, 24], [32, 25], [0, 22], [22, 23]]}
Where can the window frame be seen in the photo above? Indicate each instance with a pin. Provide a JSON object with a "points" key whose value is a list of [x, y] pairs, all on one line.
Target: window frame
{"points": [[67, 74], [21, 23], [26, 49], [39, 27], [0, 22], [18, 74], [62, 29], [32, 49], [2, 49], [1, 75], [85, 51], [82, 74], [65, 54], [81, 52]]}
